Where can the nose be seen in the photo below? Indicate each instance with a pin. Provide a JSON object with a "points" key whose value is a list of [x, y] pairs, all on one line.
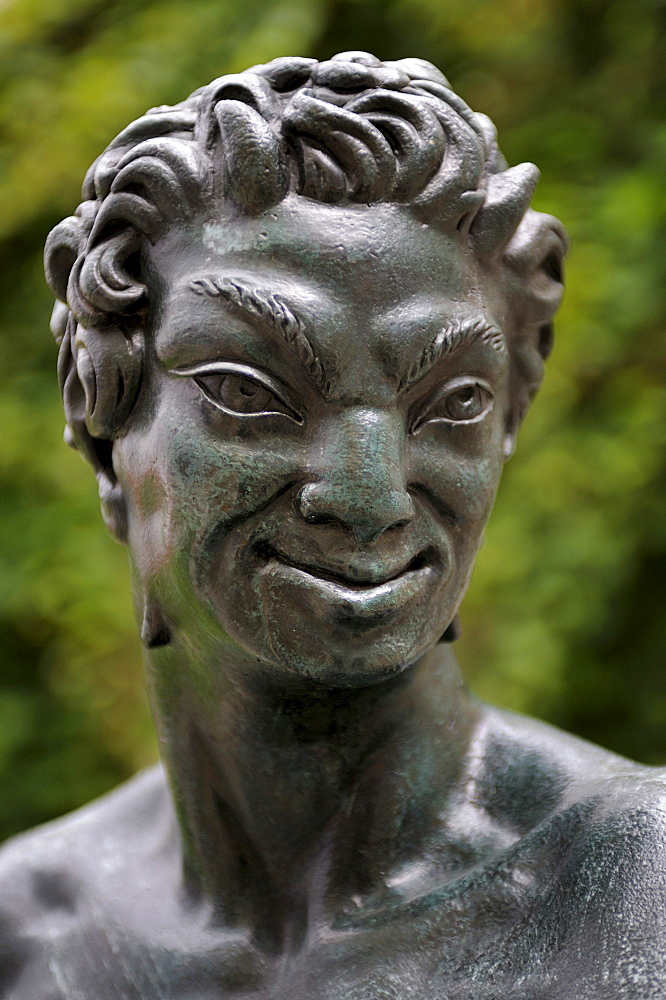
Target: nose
{"points": [[360, 476]]}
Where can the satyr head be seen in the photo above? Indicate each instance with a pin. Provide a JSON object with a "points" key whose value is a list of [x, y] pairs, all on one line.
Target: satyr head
{"points": [[300, 317]]}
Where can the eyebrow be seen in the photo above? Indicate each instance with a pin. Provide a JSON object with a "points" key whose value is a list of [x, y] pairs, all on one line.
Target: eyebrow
{"points": [[452, 337], [273, 312]]}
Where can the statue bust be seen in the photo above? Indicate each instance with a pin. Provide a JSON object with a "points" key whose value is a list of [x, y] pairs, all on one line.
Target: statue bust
{"points": [[301, 316]]}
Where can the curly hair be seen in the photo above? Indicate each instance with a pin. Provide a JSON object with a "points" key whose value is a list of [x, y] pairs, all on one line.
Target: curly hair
{"points": [[352, 129]]}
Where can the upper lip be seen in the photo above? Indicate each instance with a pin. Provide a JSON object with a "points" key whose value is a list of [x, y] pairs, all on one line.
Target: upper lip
{"points": [[356, 577]]}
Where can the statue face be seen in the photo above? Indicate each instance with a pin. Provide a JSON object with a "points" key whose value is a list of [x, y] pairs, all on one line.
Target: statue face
{"points": [[319, 440]]}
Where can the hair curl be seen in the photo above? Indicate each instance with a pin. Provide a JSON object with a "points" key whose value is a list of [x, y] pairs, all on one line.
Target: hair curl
{"points": [[351, 129]]}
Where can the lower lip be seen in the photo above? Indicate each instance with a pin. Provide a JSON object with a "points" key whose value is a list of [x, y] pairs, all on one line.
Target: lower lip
{"points": [[358, 602]]}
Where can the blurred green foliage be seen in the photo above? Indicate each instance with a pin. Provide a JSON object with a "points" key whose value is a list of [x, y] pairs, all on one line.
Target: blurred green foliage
{"points": [[565, 616]]}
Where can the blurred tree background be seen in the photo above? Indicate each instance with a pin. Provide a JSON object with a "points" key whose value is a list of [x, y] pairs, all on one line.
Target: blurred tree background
{"points": [[565, 615]]}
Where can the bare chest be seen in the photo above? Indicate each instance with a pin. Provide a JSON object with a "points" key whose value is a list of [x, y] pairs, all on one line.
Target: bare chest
{"points": [[464, 944]]}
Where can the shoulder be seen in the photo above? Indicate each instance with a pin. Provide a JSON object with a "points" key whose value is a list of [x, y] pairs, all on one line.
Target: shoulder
{"points": [[620, 856], [609, 900], [52, 877], [526, 772], [524, 752], [82, 840], [554, 772], [602, 901], [530, 776]]}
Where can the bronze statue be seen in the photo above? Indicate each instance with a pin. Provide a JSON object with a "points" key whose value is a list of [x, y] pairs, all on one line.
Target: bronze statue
{"points": [[301, 316]]}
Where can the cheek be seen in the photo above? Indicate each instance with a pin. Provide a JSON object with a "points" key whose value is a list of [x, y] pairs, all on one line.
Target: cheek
{"points": [[189, 479], [459, 468]]}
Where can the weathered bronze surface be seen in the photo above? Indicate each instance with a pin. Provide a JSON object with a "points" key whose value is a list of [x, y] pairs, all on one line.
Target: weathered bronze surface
{"points": [[306, 311]]}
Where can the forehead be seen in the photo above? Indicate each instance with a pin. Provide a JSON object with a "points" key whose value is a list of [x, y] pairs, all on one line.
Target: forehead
{"points": [[365, 279]]}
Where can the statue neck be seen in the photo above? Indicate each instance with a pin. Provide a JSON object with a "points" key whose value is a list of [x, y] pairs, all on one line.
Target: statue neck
{"points": [[297, 804]]}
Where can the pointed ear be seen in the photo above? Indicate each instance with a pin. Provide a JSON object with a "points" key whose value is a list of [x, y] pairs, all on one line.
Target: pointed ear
{"points": [[533, 261], [507, 199], [113, 504], [63, 245], [99, 376]]}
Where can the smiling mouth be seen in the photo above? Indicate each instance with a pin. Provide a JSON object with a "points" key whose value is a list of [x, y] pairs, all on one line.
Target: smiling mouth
{"points": [[421, 564]]}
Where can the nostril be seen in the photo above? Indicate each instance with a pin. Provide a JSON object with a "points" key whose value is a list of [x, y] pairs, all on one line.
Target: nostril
{"points": [[314, 517], [366, 516]]}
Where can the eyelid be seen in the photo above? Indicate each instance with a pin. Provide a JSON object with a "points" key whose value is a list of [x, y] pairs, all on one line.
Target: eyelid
{"points": [[282, 395], [458, 382], [234, 368]]}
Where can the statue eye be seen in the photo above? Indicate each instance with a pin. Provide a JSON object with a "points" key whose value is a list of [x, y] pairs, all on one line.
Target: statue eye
{"points": [[460, 401], [235, 393], [241, 391]]}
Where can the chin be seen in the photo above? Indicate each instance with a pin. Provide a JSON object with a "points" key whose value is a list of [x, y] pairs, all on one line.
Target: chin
{"points": [[350, 652], [339, 667]]}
